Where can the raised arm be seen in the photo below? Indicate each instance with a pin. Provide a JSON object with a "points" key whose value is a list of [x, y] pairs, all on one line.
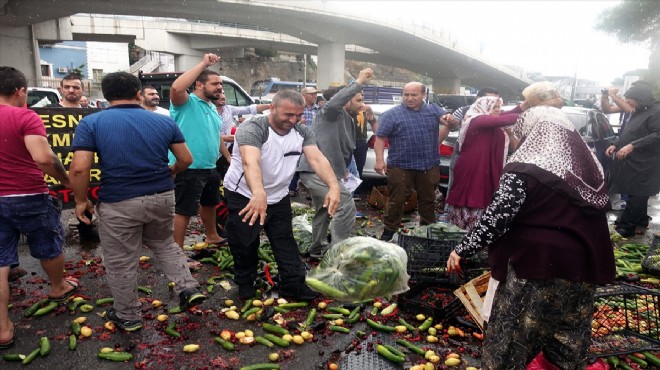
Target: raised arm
{"points": [[178, 93]]}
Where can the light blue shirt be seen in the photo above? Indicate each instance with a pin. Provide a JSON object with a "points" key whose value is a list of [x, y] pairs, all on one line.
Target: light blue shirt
{"points": [[200, 123]]}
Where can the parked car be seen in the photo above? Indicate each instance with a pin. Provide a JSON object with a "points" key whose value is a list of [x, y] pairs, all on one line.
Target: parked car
{"points": [[42, 96], [592, 125], [453, 102], [99, 103], [368, 171]]}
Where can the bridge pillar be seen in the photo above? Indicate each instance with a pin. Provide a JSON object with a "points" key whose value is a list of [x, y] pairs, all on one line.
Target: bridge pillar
{"points": [[444, 85], [21, 51], [331, 59]]}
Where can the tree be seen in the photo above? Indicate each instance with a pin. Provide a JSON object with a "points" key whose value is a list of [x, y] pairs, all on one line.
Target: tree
{"points": [[636, 21]]}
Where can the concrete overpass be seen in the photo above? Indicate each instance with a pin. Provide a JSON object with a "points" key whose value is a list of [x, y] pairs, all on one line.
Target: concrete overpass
{"points": [[300, 27]]}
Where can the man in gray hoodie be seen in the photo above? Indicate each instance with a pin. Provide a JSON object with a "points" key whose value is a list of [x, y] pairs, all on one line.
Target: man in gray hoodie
{"points": [[335, 136]]}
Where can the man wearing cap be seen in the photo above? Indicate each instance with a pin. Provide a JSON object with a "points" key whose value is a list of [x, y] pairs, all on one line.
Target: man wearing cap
{"points": [[311, 108]]}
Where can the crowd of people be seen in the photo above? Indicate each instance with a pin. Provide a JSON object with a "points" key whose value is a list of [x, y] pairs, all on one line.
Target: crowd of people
{"points": [[524, 186]]}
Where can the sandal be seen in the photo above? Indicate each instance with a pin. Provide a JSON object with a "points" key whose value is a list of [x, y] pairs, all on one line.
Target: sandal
{"points": [[67, 295]]}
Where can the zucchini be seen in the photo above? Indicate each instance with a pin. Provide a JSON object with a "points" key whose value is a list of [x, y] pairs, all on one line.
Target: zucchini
{"points": [[380, 327], [30, 311], [293, 306], [410, 346], [31, 356], [383, 351], [13, 357], [339, 329], [264, 366], [324, 288], [310, 318], [73, 342], [75, 328], [261, 340], [332, 316], [44, 346], [47, 309], [102, 301], [277, 340], [251, 311], [340, 310], [275, 329], [426, 324], [651, 358], [115, 356], [638, 361], [229, 346]]}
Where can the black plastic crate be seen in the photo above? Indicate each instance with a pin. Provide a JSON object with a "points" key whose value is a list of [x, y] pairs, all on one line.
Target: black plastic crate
{"points": [[626, 319], [651, 262], [421, 299], [438, 234], [427, 258]]}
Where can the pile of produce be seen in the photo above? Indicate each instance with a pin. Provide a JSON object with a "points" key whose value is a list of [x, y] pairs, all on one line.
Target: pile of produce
{"points": [[360, 268], [437, 229], [302, 232]]}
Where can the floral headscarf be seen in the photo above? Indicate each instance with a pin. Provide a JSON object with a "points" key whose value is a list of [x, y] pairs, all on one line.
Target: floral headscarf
{"points": [[553, 152], [483, 106]]}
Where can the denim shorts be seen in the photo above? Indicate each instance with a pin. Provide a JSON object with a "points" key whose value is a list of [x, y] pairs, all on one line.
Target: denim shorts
{"points": [[35, 216], [195, 188]]}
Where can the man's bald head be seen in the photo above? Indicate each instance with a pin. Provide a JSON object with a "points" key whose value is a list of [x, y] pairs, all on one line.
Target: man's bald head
{"points": [[414, 94]]}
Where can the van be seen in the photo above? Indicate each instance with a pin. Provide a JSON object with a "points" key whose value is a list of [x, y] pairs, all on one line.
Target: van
{"points": [[162, 82], [263, 91], [42, 96]]}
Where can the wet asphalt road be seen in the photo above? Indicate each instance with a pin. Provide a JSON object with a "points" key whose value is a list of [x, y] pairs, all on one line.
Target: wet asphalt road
{"points": [[151, 347]]}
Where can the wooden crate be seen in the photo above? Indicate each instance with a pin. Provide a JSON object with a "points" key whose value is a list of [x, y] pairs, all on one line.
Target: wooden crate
{"points": [[472, 296]]}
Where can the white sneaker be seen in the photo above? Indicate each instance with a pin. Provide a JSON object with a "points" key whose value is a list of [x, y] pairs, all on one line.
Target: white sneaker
{"points": [[619, 205]]}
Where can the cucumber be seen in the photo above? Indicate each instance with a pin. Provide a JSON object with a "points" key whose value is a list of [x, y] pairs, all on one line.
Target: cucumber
{"points": [[275, 329], [44, 346], [75, 304], [324, 288], [332, 316], [407, 325], [75, 328], [263, 366], [73, 342], [115, 356], [251, 311], [394, 350], [279, 309], [639, 361], [171, 330], [426, 324], [247, 305], [651, 358], [310, 318], [292, 306], [340, 310], [102, 301], [339, 329], [13, 357], [229, 346], [380, 327], [383, 351], [44, 310], [31, 356], [277, 340], [410, 346], [30, 311], [264, 341]]}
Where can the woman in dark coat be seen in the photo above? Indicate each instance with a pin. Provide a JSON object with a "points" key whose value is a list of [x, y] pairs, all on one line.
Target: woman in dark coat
{"points": [[548, 246], [636, 167]]}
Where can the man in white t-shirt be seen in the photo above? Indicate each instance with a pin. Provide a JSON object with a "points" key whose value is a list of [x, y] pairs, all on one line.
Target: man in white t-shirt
{"points": [[256, 188], [150, 101]]}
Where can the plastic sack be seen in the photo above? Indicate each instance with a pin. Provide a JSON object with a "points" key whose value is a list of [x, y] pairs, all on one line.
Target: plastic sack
{"points": [[540, 362], [302, 232], [360, 268]]}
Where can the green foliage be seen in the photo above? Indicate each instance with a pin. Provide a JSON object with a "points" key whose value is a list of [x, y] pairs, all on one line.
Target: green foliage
{"points": [[633, 21], [77, 70], [265, 53]]}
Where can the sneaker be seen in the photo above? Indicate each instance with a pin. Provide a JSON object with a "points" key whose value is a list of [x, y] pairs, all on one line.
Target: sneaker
{"points": [[619, 205], [126, 325], [190, 297], [387, 235], [246, 292], [303, 293]]}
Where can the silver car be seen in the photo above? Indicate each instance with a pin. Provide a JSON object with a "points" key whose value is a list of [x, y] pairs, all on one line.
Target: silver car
{"points": [[368, 171]]}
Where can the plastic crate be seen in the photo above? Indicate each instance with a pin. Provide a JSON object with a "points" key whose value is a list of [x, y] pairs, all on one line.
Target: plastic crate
{"points": [[438, 234], [427, 258], [416, 301], [651, 262], [626, 320]]}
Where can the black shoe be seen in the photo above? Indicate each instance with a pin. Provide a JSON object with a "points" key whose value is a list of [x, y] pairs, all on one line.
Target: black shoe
{"points": [[190, 297], [88, 233], [626, 233], [246, 292], [387, 235], [302, 293], [126, 325]]}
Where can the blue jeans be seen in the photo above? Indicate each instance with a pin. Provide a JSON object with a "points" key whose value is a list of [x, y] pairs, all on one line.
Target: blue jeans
{"points": [[38, 218]]}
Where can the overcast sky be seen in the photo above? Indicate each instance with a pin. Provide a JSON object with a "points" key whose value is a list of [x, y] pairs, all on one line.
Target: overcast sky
{"points": [[551, 37]]}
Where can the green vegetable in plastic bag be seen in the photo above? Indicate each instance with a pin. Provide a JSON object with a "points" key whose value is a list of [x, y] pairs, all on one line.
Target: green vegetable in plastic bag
{"points": [[302, 232], [360, 268]]}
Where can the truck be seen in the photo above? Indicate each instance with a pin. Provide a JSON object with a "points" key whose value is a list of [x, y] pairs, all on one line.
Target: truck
{"points": [[382, 95]]}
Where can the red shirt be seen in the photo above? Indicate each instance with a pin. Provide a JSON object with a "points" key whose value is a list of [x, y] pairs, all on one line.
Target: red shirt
{"points": [[19, 173]]}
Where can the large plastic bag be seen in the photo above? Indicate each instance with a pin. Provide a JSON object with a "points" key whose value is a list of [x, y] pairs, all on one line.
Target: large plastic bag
{"points": [[302, 232], [360, 268]]}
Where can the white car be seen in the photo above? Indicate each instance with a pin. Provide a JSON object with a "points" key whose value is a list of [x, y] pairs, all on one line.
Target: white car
{"points": [[368, 171]]}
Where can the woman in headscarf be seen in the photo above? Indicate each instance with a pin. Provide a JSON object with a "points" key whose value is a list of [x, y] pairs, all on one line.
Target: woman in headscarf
{"points": [[483, 146], [548, 241], [636, 167]]}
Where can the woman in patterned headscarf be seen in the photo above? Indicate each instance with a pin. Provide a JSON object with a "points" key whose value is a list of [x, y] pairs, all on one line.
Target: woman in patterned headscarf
{"points": [[483, 146], [548, 242]]}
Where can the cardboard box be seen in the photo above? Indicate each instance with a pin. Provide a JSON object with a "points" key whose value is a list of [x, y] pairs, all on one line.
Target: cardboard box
{"points": [[380, 194]]}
